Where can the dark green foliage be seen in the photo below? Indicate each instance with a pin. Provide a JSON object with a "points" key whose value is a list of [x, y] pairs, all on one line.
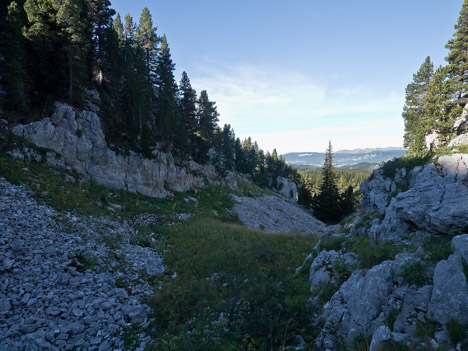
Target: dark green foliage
{"points": [[333, 243], [13, 66], [438, 248], [457, 332], [435, 99], [166, 107], [328, 204], [370, 254], [457, 58], [416, 274], [426, 328], [408, 162], [414, 109]]}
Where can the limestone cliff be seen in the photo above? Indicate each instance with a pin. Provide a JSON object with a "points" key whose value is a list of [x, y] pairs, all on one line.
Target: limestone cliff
{"points": [[78, 142]]}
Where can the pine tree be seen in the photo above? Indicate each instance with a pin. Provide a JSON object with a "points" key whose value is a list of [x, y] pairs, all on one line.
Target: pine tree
{"points": [[414, 109], [13, 75], [439, 105], [101, 14], [228, 140], [72, 19], [457, 68], [119, 29], [187, 98], [326, 203], [147, 37], [207, 116], [129, 29], [167, 111]]}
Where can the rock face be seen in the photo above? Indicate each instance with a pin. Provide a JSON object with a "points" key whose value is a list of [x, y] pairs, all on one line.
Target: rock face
{"points": [[287, 188], [323, 268], [450, 294], [364, 301], [60, 287], [274, 214], [78, 137], [436, 201]]}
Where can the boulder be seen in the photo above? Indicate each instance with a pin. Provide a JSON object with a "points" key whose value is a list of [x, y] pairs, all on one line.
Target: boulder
{"points": [[449, 299], [323, 268], [366, 299], [462, 139]]}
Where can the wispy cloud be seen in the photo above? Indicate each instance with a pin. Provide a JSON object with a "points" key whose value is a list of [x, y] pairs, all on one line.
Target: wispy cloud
{"points": [[290, 111]]}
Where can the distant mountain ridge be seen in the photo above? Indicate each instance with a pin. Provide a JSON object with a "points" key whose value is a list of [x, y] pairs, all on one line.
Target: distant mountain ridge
{"points": [[344, 158]]}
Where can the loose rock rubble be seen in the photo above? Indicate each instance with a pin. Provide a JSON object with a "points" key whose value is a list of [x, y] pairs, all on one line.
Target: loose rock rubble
{"points": [[61, 286], [274, 214]]}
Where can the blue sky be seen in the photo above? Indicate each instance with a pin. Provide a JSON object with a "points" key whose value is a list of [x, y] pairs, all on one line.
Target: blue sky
{"points": [[295, 74]]}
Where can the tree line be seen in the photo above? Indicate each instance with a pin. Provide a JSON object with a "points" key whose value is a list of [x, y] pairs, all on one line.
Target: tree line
{"points": [[436, 97], [64, 50]]}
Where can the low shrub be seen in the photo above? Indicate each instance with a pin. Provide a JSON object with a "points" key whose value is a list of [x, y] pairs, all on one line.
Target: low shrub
{"points": [[370, 254], [456, 331], [389, 168], [333, 243], [415, 274]]}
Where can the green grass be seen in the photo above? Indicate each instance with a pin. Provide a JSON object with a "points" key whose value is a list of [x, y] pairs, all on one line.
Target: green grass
{"points": [[456, 331], [437, 247], [233, 289], [416, 273], [50, 187], [389, 168], [426, 328], [447, 151], [333, 243], [370, 254]]}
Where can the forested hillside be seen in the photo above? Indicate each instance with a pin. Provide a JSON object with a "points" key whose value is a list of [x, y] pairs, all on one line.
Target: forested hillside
{"points": [[85, 54]]}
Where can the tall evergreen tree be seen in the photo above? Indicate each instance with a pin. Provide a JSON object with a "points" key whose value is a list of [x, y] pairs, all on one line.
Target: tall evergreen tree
{"points": [[414, 109], [207, 116], [72, 17], [439, 105], [457, 59], [187, 98], [326, 203], [147, 37], [167, 112], [13, 75], [101, 14], [119, 28]]}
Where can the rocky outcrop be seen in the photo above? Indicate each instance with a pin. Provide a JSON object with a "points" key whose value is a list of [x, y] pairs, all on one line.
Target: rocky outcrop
{"points": [[287, 188], [378, 191], [450, 294], [78, 139], [365, 300], [275, 214], [323, 270], [61, 287], [436, 201]]}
